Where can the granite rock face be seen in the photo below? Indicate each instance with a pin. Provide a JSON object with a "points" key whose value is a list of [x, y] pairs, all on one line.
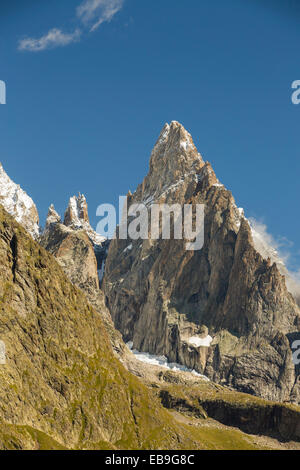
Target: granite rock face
{"points": [[160, 295], [79, 248]]}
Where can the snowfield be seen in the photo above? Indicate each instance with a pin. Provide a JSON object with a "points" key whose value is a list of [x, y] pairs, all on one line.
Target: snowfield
{"points": [[196, 341]]}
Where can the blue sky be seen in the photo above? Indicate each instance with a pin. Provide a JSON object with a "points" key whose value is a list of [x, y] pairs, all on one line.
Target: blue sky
{"points": [[89, 90]]}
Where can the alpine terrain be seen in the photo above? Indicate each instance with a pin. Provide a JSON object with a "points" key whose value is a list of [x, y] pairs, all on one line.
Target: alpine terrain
{"points": [[143, 344]]}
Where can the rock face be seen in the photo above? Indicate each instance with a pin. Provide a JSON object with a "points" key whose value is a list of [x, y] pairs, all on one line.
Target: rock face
{"points": [[19, 204], [89, 256], [77, 218], [52, 218], [160, 294], [75, 253]]}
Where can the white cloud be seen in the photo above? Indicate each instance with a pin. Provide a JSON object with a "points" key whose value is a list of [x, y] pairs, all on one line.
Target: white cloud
{"points": [[279, 251], [54, 38], [266, 244], [96, 12], [90, 13]]}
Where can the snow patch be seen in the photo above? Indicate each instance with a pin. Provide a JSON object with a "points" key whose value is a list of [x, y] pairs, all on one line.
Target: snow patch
{"points": [[18, 204], [187, 143], [239, 216], [162, 361], [77, 205], [184, 145], [197, 341], [164, 135], [128, 248]]}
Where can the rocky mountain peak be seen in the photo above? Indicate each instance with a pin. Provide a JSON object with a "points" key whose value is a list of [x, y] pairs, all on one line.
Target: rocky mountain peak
{"points": [[76, 246], [174, 151], [174, 159], [53, 217], [76, 214], [18, 204], [76, 218]]}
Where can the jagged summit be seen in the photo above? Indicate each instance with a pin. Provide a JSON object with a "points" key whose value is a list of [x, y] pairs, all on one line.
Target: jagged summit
{"points": [[77, 247], [175, 145], [18, 204], [76, 214], [175, 163], [77, 218], [174, 160]]}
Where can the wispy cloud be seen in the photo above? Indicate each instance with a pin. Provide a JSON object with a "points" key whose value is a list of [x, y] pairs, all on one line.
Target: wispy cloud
{"points": [[96, 12], [280, 251], [54, 38], [90, 14], [267, 244]]}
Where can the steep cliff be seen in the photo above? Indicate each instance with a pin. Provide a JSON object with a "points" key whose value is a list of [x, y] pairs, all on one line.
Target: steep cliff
{"points": [[162, 296]]}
